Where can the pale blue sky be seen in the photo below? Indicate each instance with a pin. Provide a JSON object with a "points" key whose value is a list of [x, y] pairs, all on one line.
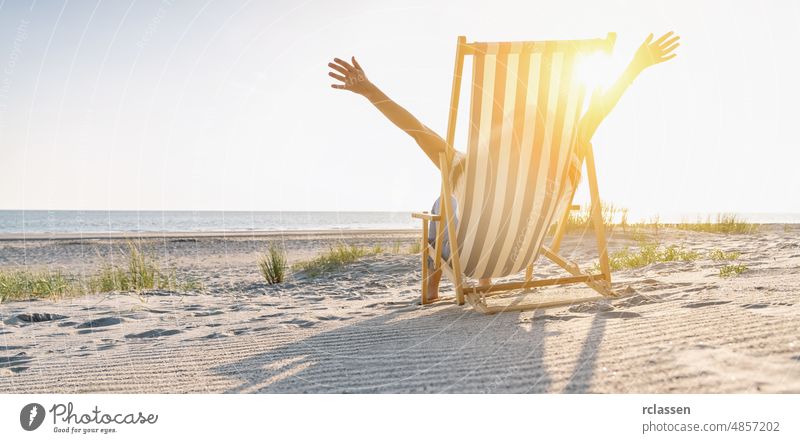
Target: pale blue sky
{"points": [[227, 105]]}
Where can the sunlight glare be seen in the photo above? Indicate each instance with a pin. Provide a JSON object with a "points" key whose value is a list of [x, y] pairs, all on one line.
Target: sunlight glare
{"points": [[595, 71]]}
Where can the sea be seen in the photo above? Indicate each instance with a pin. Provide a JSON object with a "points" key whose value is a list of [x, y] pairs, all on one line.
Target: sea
{"points": [[99, 222], [94, 222]]}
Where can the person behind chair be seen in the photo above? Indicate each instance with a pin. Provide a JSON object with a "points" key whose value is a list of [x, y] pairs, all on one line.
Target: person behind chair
{"points": [[352, 78]]}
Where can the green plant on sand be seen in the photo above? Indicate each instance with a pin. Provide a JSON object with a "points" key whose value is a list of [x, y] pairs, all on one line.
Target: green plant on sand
{"points": [[140, 273], [336, 257], [273, 264]]}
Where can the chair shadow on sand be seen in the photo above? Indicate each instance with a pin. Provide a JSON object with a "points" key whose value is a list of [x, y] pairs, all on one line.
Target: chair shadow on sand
{"points": [[447, 350]]}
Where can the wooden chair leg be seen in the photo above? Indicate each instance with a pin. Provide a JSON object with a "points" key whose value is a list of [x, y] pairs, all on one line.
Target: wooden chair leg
{"points": [[597, 215], [529, 273], [425, 271]]}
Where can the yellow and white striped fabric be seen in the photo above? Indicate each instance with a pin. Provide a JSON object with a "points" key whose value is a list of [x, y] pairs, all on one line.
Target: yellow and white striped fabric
{"points": [[522, 163]]}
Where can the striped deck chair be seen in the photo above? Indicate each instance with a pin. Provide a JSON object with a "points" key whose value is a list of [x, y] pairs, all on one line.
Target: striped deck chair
{"points": [[522, 166]]}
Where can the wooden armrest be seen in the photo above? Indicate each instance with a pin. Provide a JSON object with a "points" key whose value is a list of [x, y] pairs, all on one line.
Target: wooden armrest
{"points": [[426, 216]]}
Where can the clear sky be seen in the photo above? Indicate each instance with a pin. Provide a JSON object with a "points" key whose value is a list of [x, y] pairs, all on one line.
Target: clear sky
{"points": [[227, 105]]}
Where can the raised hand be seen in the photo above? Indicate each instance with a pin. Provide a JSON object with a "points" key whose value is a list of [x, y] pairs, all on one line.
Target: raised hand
{"points": [[351, 75], [654, 52]]}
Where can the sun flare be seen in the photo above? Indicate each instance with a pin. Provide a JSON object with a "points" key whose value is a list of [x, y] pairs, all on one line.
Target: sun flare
{"points": [[596, 71]]}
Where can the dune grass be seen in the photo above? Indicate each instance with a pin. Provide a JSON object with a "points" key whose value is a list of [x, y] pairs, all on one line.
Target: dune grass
{"points": [[724, 224], [582, 219], [140, 273], [19, 285], [416, 247], [649, 253], [732, 270], [720, 255], [337, 256], [273, 264]]}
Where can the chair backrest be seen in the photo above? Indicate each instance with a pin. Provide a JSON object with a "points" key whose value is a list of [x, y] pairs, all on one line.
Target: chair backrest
{"points": [[522, 164]]}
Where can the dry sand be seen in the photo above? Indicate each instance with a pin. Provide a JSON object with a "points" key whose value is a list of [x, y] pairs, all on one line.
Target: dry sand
{"points": [[676, 327]]}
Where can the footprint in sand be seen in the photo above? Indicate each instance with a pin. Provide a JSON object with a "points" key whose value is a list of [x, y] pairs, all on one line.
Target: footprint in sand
{"points": [[213, 335], [756, 305], [100, 323], [35, 318], [619, 314], [208, 313], [263, 328], [237, 308], [106, 346], [16, 360], [591, 307], [154, 333], [389, 304], [704, 304], [331, 318], [158, 311], [91, 331], [639, 300], [267, 316], [23, 320], [299, 322], [549, 317], [701, 288]]}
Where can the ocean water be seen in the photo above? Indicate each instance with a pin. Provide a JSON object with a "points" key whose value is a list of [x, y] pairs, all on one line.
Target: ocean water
{"points": [[69, 222], [94, 222]]}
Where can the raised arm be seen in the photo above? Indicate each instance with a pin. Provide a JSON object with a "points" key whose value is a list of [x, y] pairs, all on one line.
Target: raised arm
{"points": [[649, 53], [353, 79]]}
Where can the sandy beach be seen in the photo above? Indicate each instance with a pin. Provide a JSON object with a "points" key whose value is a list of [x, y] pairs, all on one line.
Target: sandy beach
{"points": [[675, 327]]}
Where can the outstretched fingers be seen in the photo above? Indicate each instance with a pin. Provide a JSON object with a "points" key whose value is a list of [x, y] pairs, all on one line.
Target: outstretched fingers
{"points": [[670, 42], [346, 65], [338, 68], [670, 49], [351, 75], [662, 38], [663, 59], [337, 76]]}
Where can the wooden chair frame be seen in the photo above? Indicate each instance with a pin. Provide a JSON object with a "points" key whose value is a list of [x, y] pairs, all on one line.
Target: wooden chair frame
{"points": [[476, 295]]}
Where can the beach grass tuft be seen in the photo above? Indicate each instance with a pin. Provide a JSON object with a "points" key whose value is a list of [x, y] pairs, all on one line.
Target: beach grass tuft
{"points": [[724, 224], [648, 253], [273, 264], [612, 216], [416, 247], [21, 285], [337, 256], [732, 270], [720, 255], [140, 273]]}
